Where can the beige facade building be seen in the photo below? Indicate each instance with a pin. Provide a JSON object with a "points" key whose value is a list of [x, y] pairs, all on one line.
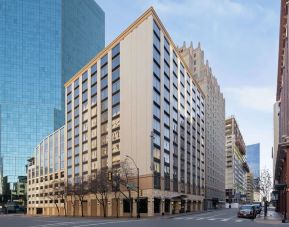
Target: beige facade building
{"points": [[236, 165], [215, 124], [249, 188], [137, 97]]}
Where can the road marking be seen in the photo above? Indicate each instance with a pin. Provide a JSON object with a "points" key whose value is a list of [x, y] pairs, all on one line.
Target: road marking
{"points": [[104, 223], [61, 223], [227, 219], [239, 220]]}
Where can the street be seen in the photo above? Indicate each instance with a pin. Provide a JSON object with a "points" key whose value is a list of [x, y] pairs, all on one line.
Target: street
{"points": [[219, 218]]}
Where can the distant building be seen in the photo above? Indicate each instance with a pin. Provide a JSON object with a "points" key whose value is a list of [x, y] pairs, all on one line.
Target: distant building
{"points": [[249, 188], [215, 124], [42, 45], [137, 98], [236, 165], [253, 159]]}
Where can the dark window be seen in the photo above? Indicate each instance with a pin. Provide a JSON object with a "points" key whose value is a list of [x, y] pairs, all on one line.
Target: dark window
{"points": [[115, 74], [103, 60], [127, 205], [115, 51], [93, 69]]}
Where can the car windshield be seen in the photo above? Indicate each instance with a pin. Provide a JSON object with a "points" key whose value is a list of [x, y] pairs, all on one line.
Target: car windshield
{"points": [[245, 207]]}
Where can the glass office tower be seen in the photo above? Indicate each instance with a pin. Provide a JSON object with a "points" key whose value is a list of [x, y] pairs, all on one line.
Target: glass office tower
{"points": [[42, 44], [253, 159]]}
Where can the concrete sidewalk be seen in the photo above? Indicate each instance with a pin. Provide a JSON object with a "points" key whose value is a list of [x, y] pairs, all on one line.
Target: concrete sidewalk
{"points": [[272, 218]]}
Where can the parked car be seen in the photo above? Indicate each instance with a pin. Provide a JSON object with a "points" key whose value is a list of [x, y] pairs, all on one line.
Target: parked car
{"points": [[258, 207], [2, 210], [11, 207], [247, 211]]}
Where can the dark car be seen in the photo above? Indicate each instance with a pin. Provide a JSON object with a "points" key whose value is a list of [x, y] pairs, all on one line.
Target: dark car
{"points": [[258, 207], [247, 211]]}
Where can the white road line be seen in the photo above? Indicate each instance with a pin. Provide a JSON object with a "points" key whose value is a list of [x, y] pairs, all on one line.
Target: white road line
{"points": [[104, 223], [227, 219], [239, 220], [61, 223]]}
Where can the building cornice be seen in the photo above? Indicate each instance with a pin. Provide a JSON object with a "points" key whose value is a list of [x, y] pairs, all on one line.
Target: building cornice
{"points": [[127, 31]]}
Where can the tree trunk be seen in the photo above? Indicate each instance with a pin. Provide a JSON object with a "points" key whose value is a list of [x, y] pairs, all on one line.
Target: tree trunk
{"points": [[57, 209], [117, 208], [130, 203], [81, 203], [64, 204]]}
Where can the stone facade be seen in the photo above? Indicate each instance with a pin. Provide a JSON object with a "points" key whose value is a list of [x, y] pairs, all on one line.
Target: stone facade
{"points": [[215, 124]]}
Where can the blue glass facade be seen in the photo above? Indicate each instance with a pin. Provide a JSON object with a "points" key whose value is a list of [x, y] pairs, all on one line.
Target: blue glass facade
{"points": [[42, 44], [253, 159]]}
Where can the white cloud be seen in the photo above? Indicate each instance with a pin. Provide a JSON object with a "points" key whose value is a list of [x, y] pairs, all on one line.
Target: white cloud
{"points": [[251, 97]]}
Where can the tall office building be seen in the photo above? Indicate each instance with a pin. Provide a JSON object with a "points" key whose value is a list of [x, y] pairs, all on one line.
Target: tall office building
{"points": [[137, 98], [253, 159], [42, 45], [236, 165], [215, 124]]}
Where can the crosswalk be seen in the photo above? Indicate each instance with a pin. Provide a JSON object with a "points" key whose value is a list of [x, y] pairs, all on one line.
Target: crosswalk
{"points": [[211, 218]]}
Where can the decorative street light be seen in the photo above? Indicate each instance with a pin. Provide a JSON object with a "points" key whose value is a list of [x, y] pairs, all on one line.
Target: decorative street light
{"points": [[138, 213]]}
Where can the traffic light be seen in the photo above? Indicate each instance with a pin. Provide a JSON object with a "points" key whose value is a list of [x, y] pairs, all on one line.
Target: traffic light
{"points": [[109, 176]]}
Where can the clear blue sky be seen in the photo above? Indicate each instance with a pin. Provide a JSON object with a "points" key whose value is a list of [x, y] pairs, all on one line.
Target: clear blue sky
{"points": [[240, 40]]}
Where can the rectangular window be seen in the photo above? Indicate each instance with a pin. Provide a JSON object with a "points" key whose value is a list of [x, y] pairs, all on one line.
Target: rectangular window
{"points": [[167, 95], [115, 110], [84, 76], [93, 100], [166, 44], [167, 145], [104, 94], [104, 81], [156, 70], [156, 97], [156, 125], [156, 41], [104, 117], [104, 105], [157, 140], [156, 111], [84, 96], [166, 119], [116, 98], [115, 51], [103, 60], [156, 83], [167, 132], [156, 56], [166, 158], [104, 71], [115, 74], [115, 62], [167, 107], [156, 29], [93, 69], [116, 86]]}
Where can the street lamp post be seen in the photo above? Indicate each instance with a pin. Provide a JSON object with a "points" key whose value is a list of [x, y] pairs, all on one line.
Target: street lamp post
{"points": [[138, 213]]}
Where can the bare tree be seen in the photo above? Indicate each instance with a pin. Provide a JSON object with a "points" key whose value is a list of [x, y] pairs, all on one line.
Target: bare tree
{"points": [[265, 183], [61, 192], [81, 189], [72, 195], [52, 195], [100, 186], [127, 177]]}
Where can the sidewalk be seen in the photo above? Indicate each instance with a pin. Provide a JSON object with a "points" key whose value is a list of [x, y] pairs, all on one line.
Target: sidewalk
{"points": [[272, 218]]}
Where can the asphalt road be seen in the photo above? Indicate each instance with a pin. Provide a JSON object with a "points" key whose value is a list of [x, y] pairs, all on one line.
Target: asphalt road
{"points": [[219, 218]]}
